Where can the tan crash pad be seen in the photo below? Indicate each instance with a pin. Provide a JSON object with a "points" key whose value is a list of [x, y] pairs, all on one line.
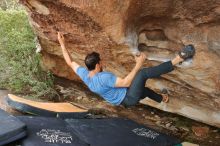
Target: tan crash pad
{"points": [[188, 144], [54, 107]]}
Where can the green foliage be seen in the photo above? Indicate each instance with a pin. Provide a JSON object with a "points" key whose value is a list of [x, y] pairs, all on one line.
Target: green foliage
{"points": [[20, 68]]}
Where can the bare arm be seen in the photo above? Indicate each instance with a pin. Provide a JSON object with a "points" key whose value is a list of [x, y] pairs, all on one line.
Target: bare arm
{"points": [[126, 82], [66, 54]]}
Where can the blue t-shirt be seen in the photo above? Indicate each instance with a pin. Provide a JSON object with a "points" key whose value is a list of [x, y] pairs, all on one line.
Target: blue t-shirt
{"points": [[103, 84]]}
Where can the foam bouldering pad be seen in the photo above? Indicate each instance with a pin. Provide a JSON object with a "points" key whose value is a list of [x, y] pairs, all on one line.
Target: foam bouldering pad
{"points": [[119, 132], [44, 131], [11, 128], [187, 144], [61, 110]]}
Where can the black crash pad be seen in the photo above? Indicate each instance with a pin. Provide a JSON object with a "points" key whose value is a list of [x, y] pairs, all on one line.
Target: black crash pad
{"points": [[47, 109], [11, 128], [119, 132], [49, 132]]}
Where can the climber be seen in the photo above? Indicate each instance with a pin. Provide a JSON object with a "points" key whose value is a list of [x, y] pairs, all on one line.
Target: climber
{"points": [[126, 91]]}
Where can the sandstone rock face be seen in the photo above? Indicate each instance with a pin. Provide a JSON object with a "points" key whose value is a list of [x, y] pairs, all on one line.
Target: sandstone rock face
{"points": [[115, 27]]}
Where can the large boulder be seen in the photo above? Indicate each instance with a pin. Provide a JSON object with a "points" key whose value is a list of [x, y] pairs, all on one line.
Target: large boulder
{"points": [[114, 28]]}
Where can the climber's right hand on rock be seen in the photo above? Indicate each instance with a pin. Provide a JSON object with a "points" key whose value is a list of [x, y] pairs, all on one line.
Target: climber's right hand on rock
{"points": [[140, 60], [60, 38]]}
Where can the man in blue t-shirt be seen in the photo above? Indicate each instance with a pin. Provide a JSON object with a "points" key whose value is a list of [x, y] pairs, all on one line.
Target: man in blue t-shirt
{"points": [[130, 89]]}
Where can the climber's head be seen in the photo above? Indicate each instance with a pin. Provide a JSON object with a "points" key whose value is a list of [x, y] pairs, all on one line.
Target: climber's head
{"points": [[93, 61]]}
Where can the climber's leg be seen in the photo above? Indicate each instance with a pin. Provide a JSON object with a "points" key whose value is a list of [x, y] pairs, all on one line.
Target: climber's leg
{"points": [[137, 90]]}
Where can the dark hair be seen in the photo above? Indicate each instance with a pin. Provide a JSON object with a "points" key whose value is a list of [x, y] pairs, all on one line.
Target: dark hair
{"points": [[91, 60]]}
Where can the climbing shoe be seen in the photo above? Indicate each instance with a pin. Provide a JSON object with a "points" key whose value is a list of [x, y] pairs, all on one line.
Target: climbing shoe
{"points": [[187, 52]]}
